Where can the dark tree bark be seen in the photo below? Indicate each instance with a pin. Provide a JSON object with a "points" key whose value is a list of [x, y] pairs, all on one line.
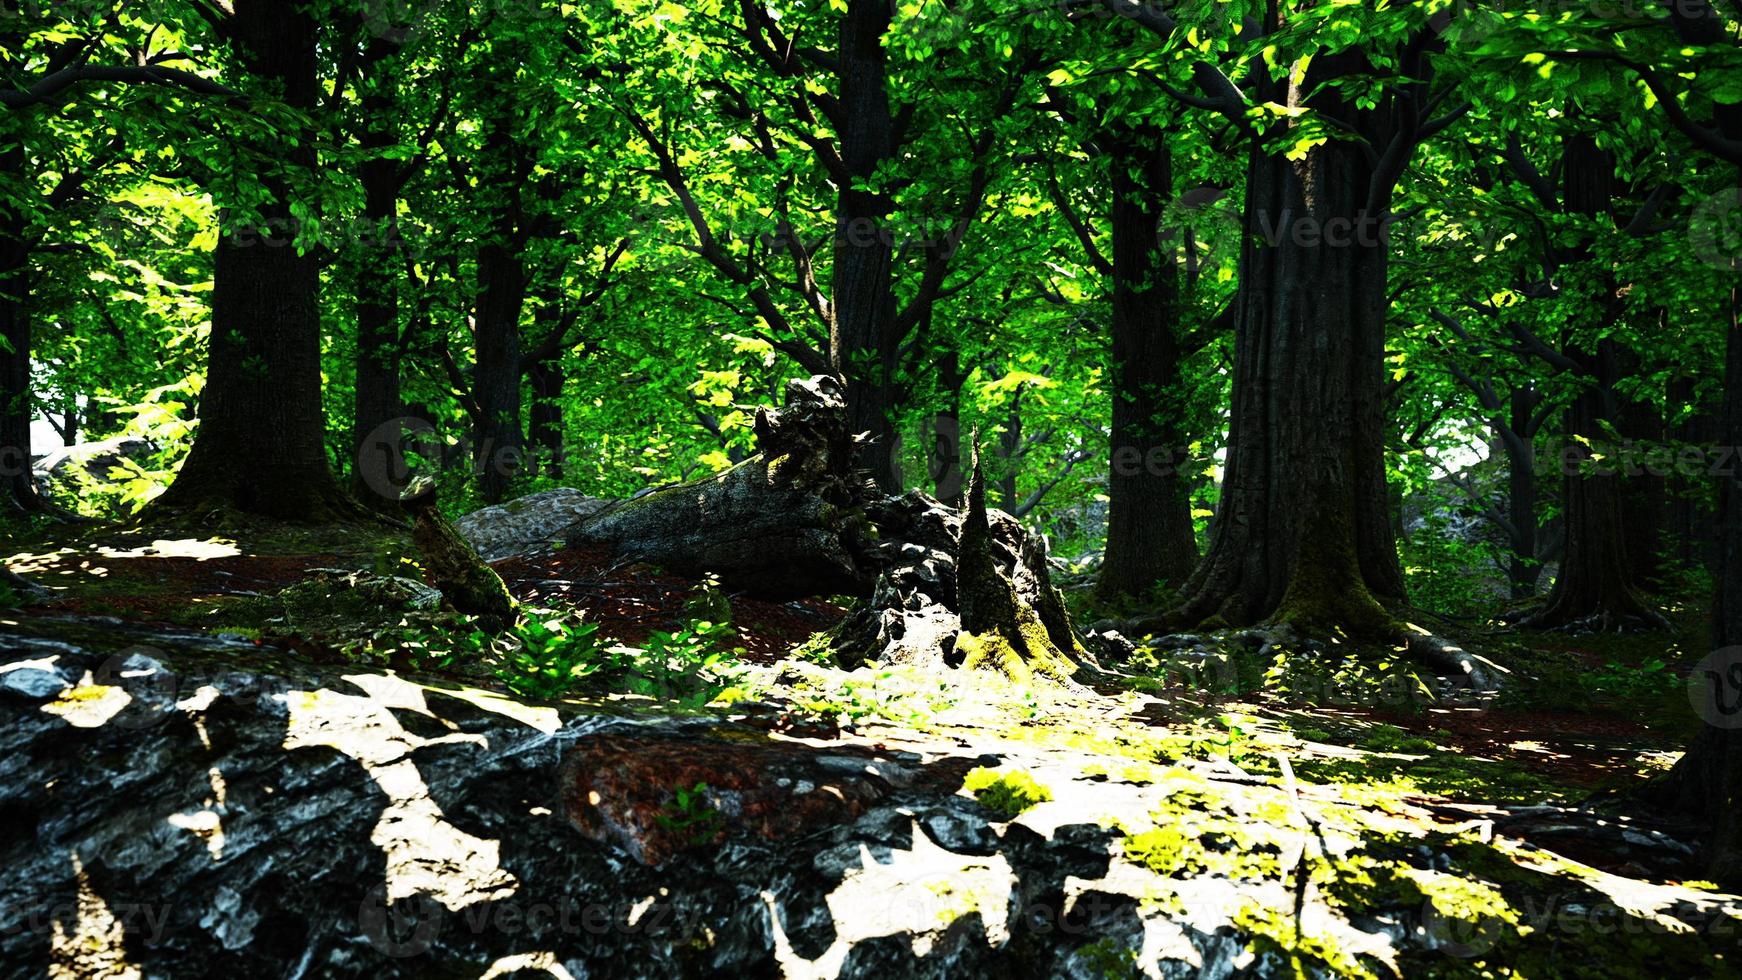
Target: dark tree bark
{"points": [[1691, 517], [376, 405], [1303, 533], [862, 339], [1644, 494], [17, 487], [1597, 586], [787, 522], [545, 417], [1519, 438], [501, 294], [1149, 520], [260, 449], [946, 431], [1707, 782]]}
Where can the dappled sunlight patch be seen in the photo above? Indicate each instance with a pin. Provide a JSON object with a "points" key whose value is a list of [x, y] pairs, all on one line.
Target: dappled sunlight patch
{"points": [[94, 943], [426, 855], [919, 893], [28, 563], [207, 825], [195, 548], [88, 704], [545, 962]]}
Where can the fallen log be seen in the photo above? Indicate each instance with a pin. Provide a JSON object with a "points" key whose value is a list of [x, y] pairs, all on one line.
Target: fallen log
{"points": [[788, 522], [796, 520]]}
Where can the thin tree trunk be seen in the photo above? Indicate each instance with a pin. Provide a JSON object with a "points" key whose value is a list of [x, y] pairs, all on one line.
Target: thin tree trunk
{"points": [[502, 293], [376, 404], [1690, 509], [863, 345], [260, 445], [17, 486], [1303, 533], [946, 432], [1521, 490], [545, 417], [1010, 452], [1149, 520]]}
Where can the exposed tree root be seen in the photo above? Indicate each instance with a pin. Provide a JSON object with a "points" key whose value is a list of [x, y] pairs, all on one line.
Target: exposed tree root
{"points": [[469, 585]]}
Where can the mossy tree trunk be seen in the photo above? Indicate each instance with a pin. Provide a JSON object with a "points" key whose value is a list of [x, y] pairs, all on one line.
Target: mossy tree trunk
{"points": [[465, 580], [787, 522], [1303, 532]]}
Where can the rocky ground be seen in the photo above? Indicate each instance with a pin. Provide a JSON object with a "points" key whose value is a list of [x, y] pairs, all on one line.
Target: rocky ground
{"points": [[185, 794]]}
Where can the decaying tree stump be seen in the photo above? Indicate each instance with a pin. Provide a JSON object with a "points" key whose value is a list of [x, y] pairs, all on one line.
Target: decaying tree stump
{"points": [[1002, 630]]}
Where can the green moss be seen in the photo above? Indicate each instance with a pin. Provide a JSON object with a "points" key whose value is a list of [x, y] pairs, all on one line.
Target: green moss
{"points": [[1006, 793], [1304, 953], [1023, 657], [1109, 959], [1445, 773]]}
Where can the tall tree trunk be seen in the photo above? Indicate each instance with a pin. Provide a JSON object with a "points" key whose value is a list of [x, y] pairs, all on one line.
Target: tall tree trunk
{"points": [[376, 405], [1644, 494], [1690, 508], [946, 431], [501, 294], [17, 486], [1519, 439], [260, 445], [1149, 518], [1597, 584], [1303, 532], [1707, 781], [1010, 452], [545, 417], [862, 342]]}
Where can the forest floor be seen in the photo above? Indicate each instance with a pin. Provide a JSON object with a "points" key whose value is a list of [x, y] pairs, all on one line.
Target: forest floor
{"points": [[1524, 789]]}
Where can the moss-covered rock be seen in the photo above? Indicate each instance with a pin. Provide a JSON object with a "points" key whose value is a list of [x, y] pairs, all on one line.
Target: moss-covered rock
{"points": [[335, 603]]}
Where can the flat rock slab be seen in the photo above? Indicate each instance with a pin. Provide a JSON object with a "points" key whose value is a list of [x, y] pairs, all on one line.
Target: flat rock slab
{"points": [[527, 523]]}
